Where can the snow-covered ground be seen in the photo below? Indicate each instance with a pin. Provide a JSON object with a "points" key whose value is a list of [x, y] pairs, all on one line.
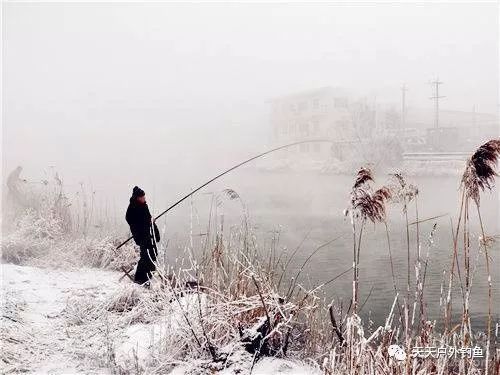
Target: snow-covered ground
{"points": [[33, 301], [46, 331]]}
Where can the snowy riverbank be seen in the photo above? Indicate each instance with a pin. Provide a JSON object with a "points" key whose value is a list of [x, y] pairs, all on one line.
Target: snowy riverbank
{"points": [[48, 327]]}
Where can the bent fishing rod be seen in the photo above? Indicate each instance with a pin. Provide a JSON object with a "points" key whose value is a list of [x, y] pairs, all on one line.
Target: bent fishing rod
{"points": [[226, 172]]}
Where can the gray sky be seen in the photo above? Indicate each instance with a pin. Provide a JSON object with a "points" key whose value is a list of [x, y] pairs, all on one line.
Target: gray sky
{"points": [[124, 85]]}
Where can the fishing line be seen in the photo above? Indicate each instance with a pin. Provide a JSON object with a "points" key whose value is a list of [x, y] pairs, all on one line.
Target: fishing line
{"points": [[226, 172]]}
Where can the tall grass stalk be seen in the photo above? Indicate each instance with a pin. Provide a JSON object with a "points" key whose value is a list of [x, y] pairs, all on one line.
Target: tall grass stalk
{"points": [[479, 175]]}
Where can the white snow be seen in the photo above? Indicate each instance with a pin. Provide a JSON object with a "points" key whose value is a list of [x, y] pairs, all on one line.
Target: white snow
{"points": [[37, 337], [44, 294]]}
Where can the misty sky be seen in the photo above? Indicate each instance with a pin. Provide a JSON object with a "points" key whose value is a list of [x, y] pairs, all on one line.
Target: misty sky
{"points": [[119, 86]]}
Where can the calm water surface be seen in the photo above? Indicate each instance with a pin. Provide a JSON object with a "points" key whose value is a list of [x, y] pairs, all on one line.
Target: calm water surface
{"points": [[299, 205]]}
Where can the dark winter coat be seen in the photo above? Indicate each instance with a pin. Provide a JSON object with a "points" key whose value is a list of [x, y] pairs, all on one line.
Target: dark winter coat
{"points": [[139, 220]]}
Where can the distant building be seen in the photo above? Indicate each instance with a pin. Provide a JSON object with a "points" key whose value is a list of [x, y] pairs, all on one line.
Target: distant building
{"points": [[365, 131], [322, 113], [458, 130]]}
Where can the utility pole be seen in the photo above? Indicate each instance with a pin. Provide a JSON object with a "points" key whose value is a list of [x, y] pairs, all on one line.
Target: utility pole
{"points": [[436, 98], [403, 106]]}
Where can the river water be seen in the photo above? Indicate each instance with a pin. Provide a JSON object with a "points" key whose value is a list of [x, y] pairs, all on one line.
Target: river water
{"points": [[310, 206]]}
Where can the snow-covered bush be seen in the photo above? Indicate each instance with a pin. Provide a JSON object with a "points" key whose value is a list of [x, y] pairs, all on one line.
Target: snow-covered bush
{"points": [[32, 237], [100, 252], [42, 240]]}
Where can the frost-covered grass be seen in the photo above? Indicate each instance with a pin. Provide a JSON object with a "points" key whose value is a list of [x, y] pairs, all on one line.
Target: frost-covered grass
{"points": [[14, 334], [39, 240], [43, 227], [35, 336], [223, 307], [155, 332], [84, 321]]}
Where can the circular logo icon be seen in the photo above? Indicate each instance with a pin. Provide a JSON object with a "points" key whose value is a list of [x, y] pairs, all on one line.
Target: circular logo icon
{"points": [[396, 352]]}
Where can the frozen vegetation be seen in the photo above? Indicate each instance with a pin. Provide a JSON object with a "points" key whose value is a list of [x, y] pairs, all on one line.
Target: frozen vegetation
{"points": [[67, 307]]}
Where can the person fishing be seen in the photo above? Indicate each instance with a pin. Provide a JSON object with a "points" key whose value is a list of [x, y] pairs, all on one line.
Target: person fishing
{"points": [[145, 234], [198, 189]]}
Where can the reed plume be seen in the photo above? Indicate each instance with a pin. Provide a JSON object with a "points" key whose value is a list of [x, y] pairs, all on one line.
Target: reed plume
{"points": [[480, 170], [363, 176], [365, 203], [402, 191], [371, 205], [231, 194], [479, 175]]}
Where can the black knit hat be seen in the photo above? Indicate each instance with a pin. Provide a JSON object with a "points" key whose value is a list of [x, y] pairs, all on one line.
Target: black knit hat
{"points": [[137, 192]]}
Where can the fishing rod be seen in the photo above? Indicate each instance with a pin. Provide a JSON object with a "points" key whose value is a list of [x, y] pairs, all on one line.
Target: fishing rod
{"points": [[226, 172]]}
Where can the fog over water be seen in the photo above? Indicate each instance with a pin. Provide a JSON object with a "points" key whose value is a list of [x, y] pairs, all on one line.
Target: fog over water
{"points": [[165, 96], [83, 83]]}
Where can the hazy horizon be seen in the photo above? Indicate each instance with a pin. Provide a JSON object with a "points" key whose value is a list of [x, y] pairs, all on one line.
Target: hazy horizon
{"points": [[83, 83]]}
